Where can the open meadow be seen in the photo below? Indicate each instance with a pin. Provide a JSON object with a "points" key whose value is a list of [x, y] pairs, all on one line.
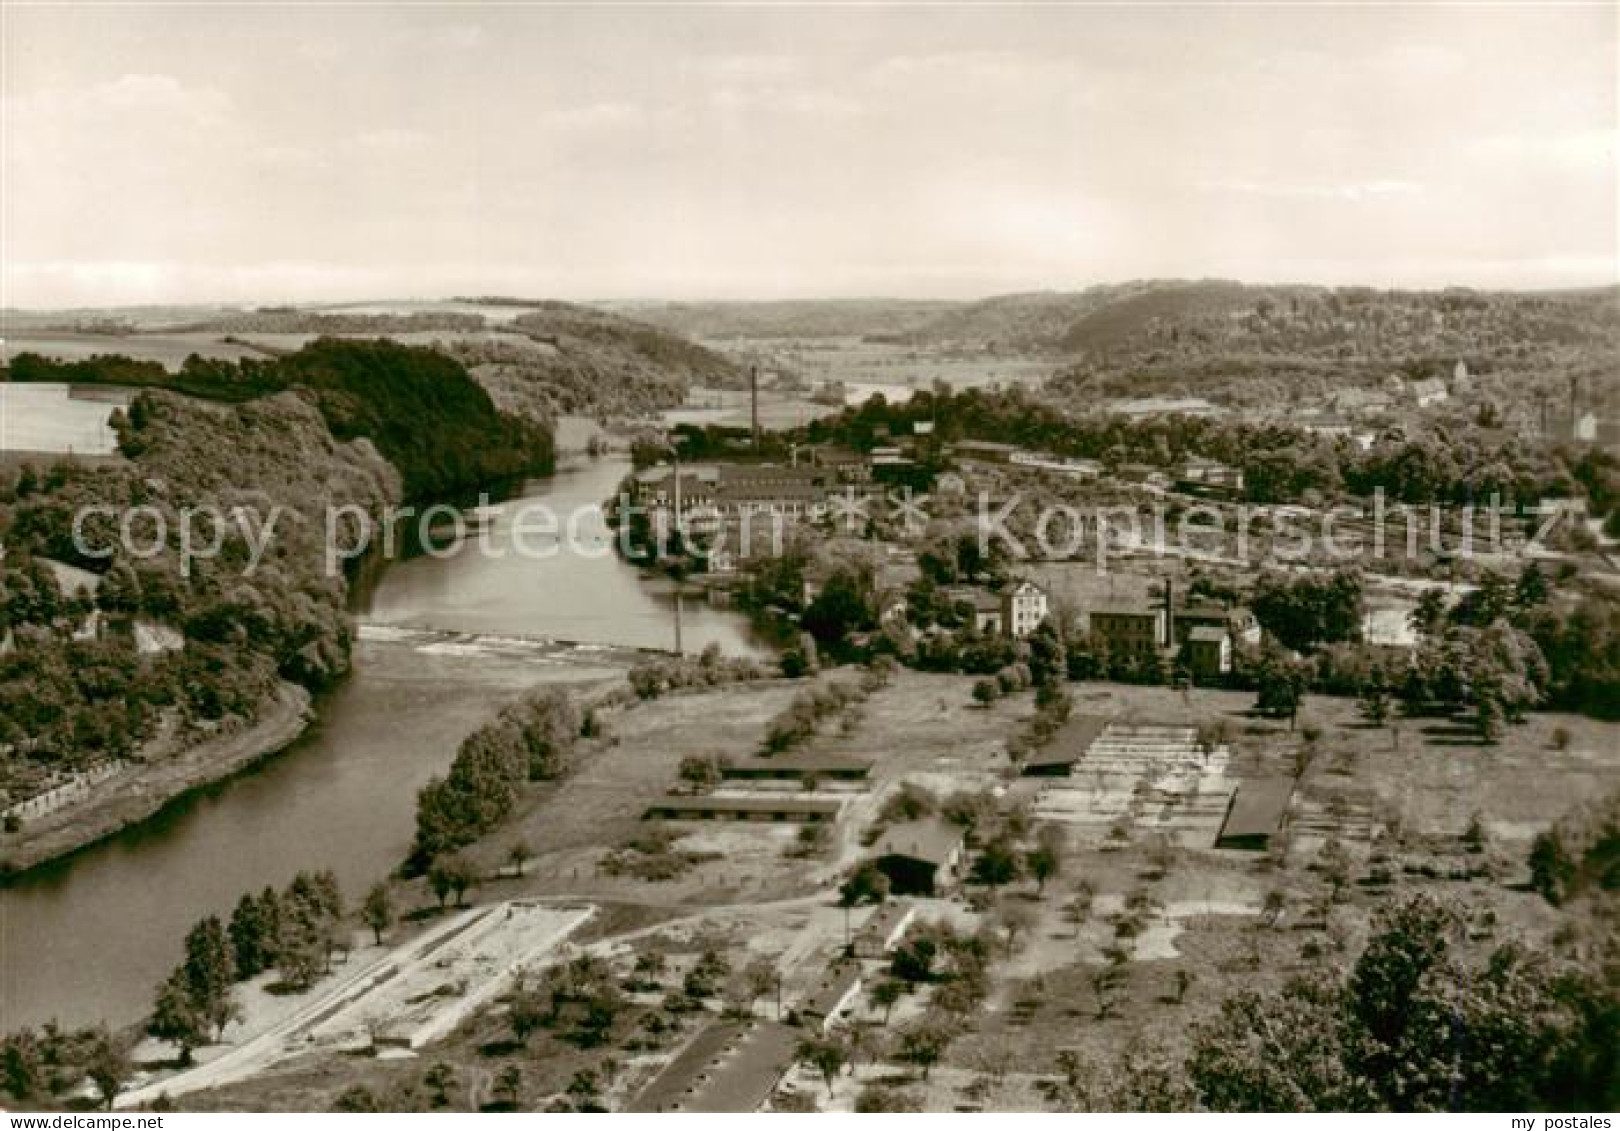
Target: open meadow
{"points": [[1374, 816]]}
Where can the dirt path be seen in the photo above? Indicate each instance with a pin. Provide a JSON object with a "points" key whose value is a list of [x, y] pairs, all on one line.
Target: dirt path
{"points": [[478, 951], [478, 946]]}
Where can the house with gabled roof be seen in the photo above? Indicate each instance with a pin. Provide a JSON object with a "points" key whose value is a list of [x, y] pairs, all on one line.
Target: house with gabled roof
{"points": [[919, 857]]}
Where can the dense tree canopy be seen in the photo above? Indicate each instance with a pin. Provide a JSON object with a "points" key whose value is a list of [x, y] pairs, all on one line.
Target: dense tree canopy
{"points": [[532, 740], [1416, 1027]]}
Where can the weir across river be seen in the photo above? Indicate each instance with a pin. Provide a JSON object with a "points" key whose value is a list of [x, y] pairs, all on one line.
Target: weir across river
{"points": [[443, 644]]}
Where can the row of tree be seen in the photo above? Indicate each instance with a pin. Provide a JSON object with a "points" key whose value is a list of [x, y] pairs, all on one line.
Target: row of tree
{"points": [[295, 932], [796, 723], [531, 740], [710, 668]]}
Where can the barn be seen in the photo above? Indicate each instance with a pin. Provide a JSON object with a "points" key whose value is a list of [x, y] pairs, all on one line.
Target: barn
{"points": [[919, 857]]}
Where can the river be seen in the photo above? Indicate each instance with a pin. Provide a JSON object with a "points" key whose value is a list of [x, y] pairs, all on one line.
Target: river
{"points": [[89, 938]]}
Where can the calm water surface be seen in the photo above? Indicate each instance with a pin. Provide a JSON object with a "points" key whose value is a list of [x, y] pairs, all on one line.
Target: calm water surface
{"points": [[89, 938]]}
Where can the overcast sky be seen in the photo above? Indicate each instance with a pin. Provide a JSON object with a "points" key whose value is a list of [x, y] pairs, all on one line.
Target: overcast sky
{"points": [[312, 153]]}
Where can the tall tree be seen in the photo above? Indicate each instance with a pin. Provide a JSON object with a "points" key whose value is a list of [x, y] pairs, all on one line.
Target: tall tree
{"points": [[209, 972], [1282, 682], [826, 1055], [1374, 701], [1429, 614], [518, 855], [377, 912], [923, 1043], [108, 1065], [1045, 860], [997, 864], [175, 1019], [251, 943]]}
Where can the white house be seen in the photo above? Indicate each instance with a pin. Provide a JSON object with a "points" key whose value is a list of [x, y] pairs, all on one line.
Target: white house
{"points": [[1023, 608], [1427, 392]]}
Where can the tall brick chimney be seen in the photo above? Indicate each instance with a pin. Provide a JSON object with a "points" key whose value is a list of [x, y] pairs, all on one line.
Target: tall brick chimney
{"points": [[753, 403]]}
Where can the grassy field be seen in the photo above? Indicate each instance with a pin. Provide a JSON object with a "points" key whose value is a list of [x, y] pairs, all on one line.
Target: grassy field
{"points": [[1401, 800], [170, 349], [1421, 794], [573, 826]]}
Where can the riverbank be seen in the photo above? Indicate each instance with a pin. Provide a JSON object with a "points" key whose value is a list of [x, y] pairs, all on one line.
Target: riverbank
{"points": [[141, 792], [395, 992], [442, 646]]}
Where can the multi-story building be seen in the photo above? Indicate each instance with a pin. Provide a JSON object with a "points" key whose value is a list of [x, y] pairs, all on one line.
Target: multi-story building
{"points": [[1338, 428], [1462, 381], [656, 488], [1205, 634], [794, 492], [1023, 608], [843, 464], [1129, 630], [1016, 611], [1357, 401], [732, 490]]}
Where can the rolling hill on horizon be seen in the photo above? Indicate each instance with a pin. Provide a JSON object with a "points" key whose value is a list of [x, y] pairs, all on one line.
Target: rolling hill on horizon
{"points": [[538, 358], [1148, 314]]}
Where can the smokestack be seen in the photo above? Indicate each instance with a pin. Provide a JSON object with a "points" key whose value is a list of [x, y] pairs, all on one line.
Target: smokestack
{"points": [[753, 403], [1169, 613]]}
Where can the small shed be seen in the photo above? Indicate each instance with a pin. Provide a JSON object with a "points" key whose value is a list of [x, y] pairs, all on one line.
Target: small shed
{"points": [[1058, 757], [797, 767], [771, 808], [1257, 812], [832, 995]]}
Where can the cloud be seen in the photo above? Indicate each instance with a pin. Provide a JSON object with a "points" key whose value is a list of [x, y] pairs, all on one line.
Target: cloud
{"points": [[394, 140], [746, 68], [464, 37], [1285, 190], [145, 101], [569, 150], [1578, 149], [595, 116], [784, 100]]}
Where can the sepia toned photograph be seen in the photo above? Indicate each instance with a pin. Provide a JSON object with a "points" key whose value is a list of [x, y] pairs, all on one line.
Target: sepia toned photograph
{"points": [[821, 557]]}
